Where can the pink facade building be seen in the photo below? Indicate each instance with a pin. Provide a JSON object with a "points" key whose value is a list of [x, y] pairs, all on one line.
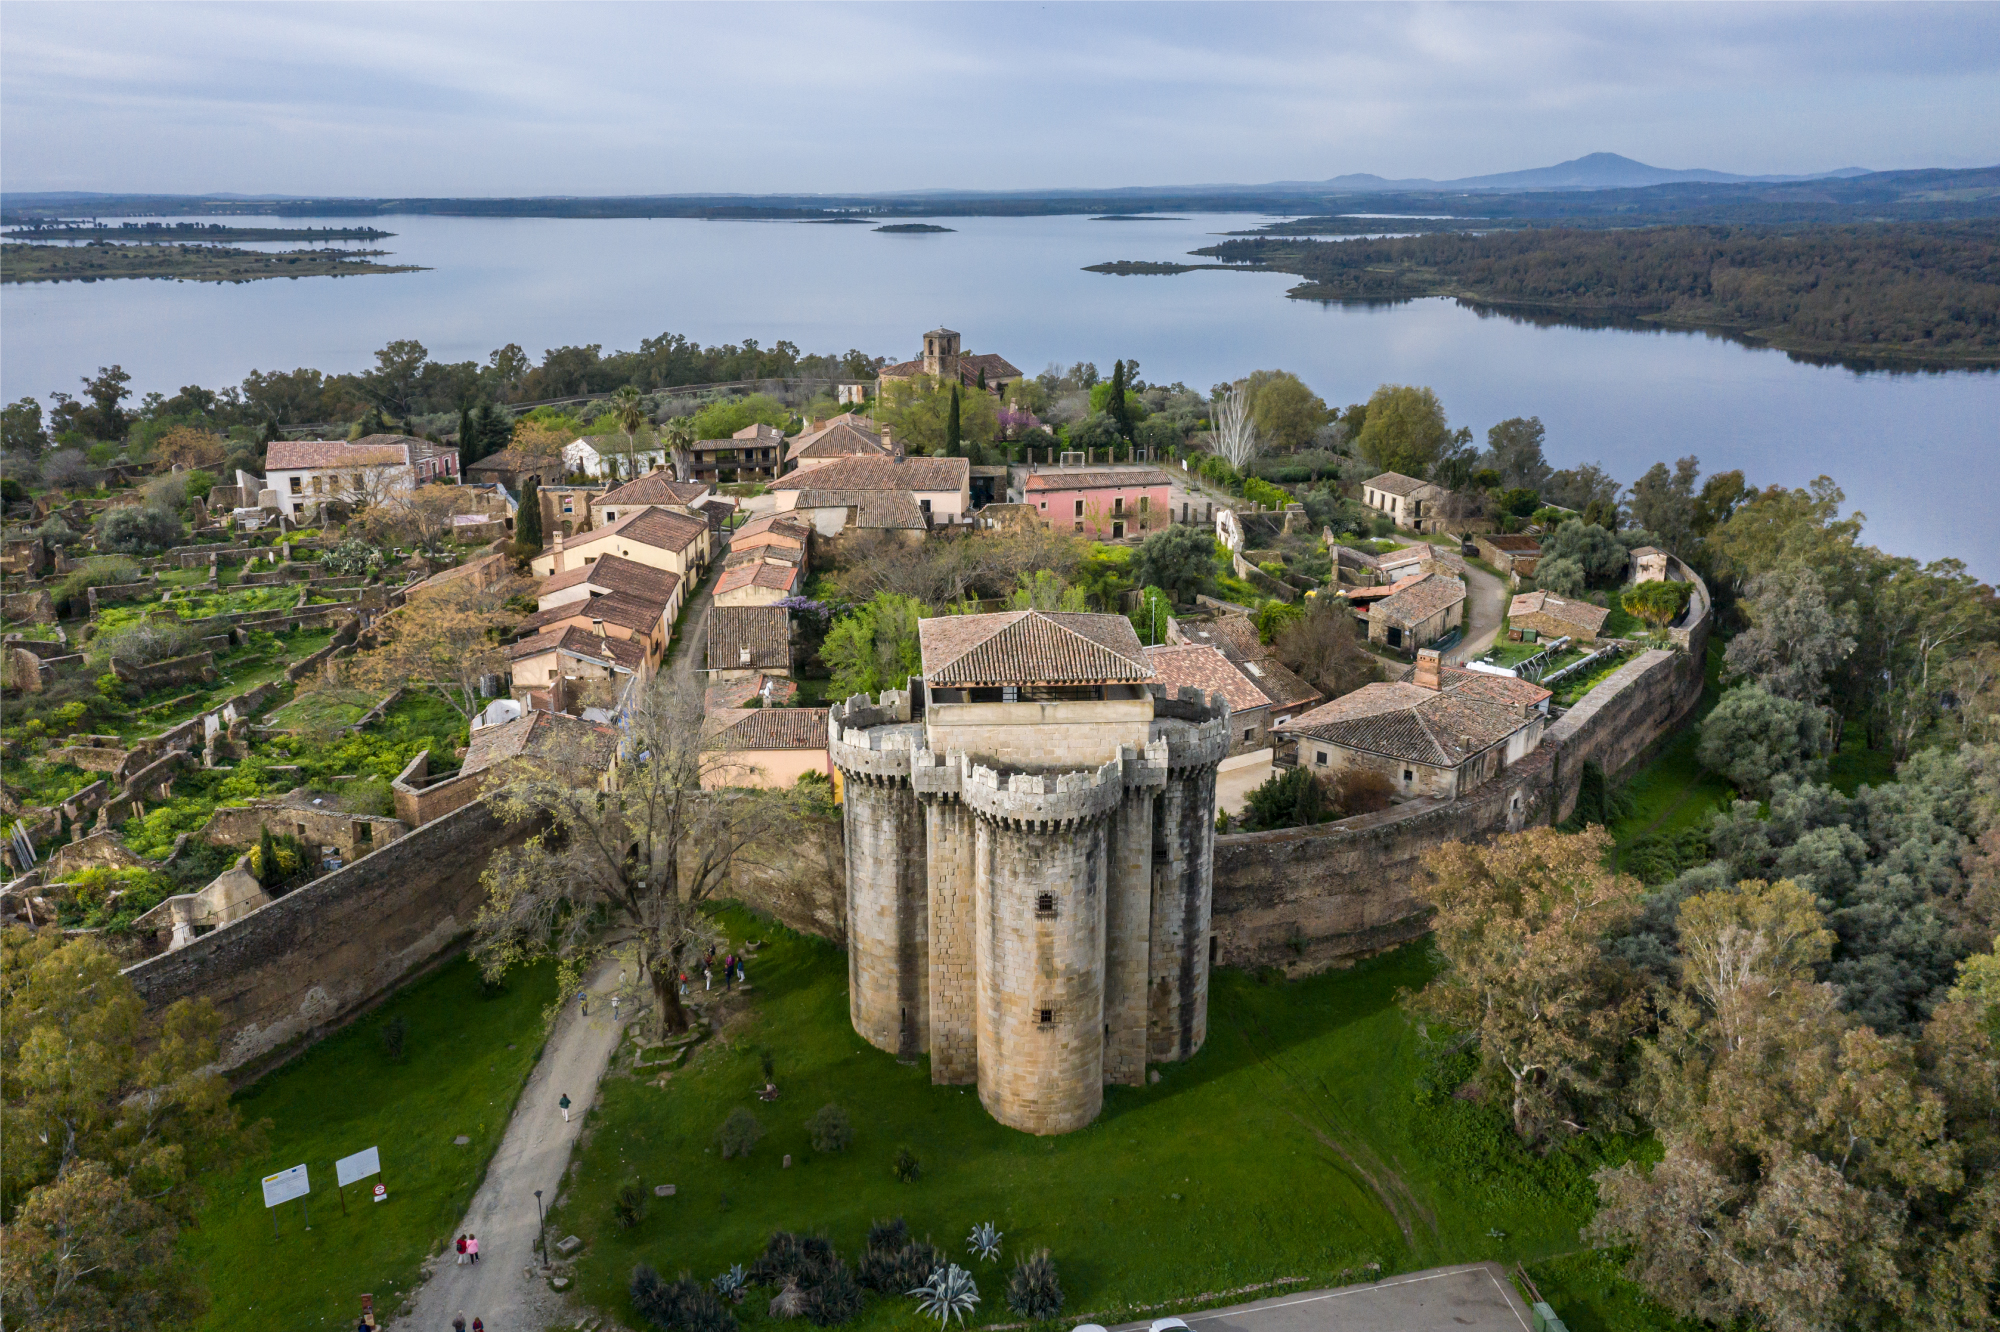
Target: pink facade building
{"points": [[1100, 501]]}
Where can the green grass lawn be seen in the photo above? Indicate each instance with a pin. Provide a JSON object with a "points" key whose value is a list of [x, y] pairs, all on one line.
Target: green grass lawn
{"points": [[325, 708], [466, 1056], [1308, 1139]]}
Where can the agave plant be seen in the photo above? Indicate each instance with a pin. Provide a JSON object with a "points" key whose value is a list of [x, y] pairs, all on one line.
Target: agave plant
{"points": [[950, 1293], [730, 1285], [984, 1241]]}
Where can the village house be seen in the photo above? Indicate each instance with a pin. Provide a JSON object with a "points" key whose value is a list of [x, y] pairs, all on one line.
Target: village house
{"points": [[944, 362], [757, 582], [610, 456], [845, 436], [893, 492], [1649, 564], [1406, 501], [754, 453], [1249, 764], [608, 574], [675, 542], [1539, 615], [587, 750], [567, 653], [1235, 636], [1419, 611], [307, 473], [748, 640], [1443, 733], [514, 464], [773, 531], [639, 619], [655, 490], [1423, 557], [764, 747], [1100, 501], [1517, 555]]}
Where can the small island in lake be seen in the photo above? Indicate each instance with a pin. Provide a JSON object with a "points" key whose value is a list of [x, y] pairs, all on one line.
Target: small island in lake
{"points": [[1151, 267], [206, 233], [914, 226], [103, 261], [1136, 217]]}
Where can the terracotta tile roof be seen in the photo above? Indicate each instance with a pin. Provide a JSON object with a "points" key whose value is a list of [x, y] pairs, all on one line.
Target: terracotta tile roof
{"points": [[550, 736], [768, 728], [1567, 609], [1394, 483], [1031, 647], [419, 447], [778, 577], [1514, 544], [639, 614], [765, 630], [662, 529], [771, 542], [1229, 631], [1637, 551], [1207, 670], [625, 653], [1277, 682], [513, 459], [759, 433], [842, 437], [995, 365], [1422, 553], [952, 474], [654, 488], [1095, 478], [290, 455], [785, 524], [1409, 722], [1507, 691], [872, 508], [776, 552], [1420, 601], [1361, 594], [615, 573]]}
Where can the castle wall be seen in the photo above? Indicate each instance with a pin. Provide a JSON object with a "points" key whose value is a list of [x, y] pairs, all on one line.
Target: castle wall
{"points": [[886, 962], [1128, 932], [954, 850], [1041, 735], [1041, 1076], [298, 967], [1177, 979]]}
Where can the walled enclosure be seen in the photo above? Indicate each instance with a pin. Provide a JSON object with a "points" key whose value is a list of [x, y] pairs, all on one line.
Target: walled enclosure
{"points": [[1039, 933], [292, 970]]}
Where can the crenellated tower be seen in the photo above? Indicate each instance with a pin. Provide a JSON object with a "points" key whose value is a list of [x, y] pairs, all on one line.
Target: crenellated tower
{"points": [[1029, 839]]}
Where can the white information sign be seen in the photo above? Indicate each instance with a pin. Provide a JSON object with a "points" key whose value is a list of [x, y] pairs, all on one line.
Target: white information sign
{"points": [[285, 1186], [358, 1166]]}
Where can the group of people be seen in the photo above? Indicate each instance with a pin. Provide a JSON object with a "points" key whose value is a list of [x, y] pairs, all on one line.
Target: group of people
{"points": [[458, 1324], [732, 971], [468, 1249]]}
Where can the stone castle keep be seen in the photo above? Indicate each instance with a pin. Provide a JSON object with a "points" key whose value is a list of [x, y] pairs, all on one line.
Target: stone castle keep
{"points": [[1030, 836]]}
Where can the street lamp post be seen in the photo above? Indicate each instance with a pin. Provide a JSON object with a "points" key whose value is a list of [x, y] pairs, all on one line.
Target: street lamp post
{"points": [[541, 1227]]}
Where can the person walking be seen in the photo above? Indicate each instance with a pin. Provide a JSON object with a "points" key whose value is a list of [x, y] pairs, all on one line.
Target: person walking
{"points": [[729, 972], [614, 1008], [472, 1247], [583, 1002], [707, 978], [461, 1251], [564, 1103], [478, 1326], [458, 1322]]}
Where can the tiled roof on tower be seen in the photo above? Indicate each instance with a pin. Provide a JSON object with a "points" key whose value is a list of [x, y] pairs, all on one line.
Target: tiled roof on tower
{"points": [[1031, 647]]}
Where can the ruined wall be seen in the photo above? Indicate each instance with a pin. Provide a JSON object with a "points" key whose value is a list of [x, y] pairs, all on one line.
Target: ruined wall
{"points": [[292, 970]]}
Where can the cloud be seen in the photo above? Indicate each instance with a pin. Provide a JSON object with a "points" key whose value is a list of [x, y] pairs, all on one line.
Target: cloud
{"points": [[631, 98]]}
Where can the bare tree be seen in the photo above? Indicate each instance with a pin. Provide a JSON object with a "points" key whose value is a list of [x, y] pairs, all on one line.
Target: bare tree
{"points": [[1235, 433], [444, 638], [628, 868]]}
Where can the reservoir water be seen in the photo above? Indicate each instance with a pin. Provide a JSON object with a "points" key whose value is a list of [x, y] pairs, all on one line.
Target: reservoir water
{"points": [[1915, 452]]}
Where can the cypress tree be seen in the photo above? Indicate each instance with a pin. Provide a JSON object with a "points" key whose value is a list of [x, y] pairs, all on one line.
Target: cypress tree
{"points": [[528, 522], [267, 858], [1120, 410], [468, 437], [952, 439], [496, 431]]}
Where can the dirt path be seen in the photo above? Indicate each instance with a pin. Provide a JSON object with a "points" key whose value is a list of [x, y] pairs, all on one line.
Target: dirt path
{"points": [[1489, 609], [533, 1154]]}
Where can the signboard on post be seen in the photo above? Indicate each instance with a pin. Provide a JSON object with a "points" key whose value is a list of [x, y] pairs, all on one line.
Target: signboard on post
{"points": [[358, 1166], [285, 1186]]}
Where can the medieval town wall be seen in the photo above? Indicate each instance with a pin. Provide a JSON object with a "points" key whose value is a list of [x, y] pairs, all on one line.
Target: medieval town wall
{"points": [[289, 972]]}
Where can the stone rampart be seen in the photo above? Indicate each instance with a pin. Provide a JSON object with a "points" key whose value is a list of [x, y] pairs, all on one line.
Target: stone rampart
{"points": [[291, 970]]}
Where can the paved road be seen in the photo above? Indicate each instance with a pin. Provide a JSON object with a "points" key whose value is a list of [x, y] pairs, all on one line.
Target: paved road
{"points": [[1489, 608], [1476, 1297], [533, 1155]]}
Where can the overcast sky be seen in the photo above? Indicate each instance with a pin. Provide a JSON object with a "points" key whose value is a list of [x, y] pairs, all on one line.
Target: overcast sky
{"points": [[470, 99]]}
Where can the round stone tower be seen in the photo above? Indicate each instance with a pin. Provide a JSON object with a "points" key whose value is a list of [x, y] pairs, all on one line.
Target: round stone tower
{"points": [[1029, 837]]}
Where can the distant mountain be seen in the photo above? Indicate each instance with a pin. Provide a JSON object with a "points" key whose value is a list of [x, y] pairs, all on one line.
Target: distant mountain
{"points": [[1596, 171]]}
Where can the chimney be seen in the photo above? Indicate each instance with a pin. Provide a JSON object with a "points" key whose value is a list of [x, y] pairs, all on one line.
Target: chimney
{"points": [[598, 625], [559, 564], [743, 655], [1427, 669]]}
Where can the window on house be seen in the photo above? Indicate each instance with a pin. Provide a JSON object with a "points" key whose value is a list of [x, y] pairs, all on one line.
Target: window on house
{"points": [[1408, 775], [1047, 1017], [1142, 503], [1118, 504], [1079, 527], [1079, 508], [1249, 732], [925, 505], [1319, 758], [298, 485], [1045, 904]]}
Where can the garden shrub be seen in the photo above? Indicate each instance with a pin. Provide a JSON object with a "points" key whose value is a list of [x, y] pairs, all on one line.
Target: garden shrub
{"points": [[138, 529], [1262, 492], [900, 1267], [1033, 1291], [1361, 791], [629, 1207], [678, 1306], [835, 1298], [830, 1129], [891, 1234], [906, 1166], [147, 641], [1289, 799], [738, 1134]]}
